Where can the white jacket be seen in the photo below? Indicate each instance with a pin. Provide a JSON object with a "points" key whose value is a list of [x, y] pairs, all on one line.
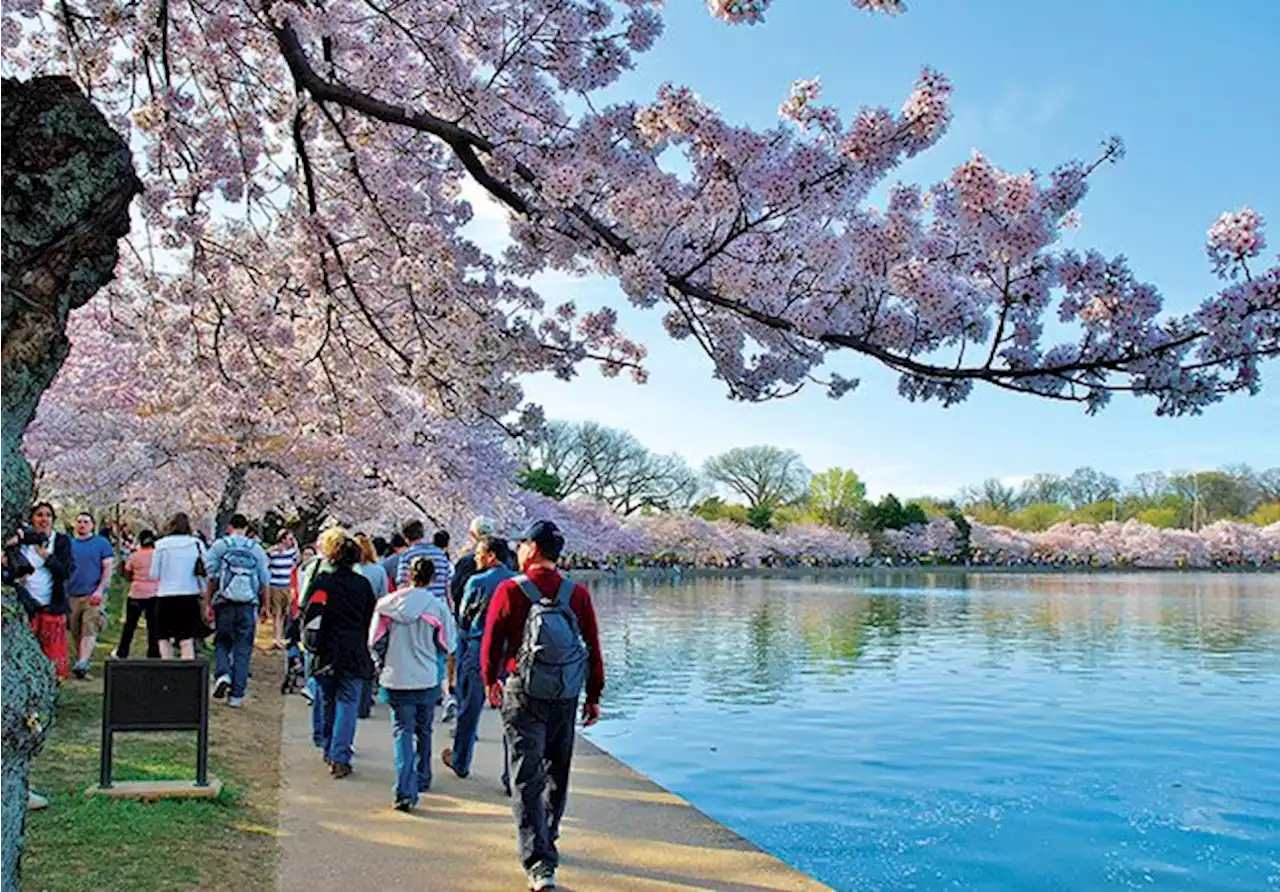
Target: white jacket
{"points": [[174, 564]]}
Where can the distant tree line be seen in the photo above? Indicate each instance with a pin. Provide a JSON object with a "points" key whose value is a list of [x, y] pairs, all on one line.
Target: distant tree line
{"points": [[1183, 500], [767, 487]]}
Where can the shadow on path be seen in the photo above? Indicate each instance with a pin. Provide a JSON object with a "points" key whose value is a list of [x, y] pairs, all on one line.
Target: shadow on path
{"points": [[621, 832]]}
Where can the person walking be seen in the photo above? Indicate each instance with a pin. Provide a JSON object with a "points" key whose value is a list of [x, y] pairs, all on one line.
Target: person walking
{"points": [[391, 560], [93, 561], [178, 566], [323, 559], [411, 628], [142, 597], [342, 664], [371, 569], [39, 561], [415, 535], [239, 576], [417, 546], [480, 528], [281, 559], [490, 561], [541, 631]]}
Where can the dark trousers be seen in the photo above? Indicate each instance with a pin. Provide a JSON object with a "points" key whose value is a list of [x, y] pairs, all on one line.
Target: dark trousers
{"points": [[134, 608], [367, 693], [540, 734], [233, 643]]}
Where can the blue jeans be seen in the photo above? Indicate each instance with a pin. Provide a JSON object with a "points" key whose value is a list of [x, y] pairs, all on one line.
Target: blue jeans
{"points": [[234, 626], [411, 716], [341, 695], [471, 699], [317, 703]]}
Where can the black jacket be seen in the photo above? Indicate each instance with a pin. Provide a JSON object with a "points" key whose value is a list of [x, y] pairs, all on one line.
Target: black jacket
{"points": [[344, 632], [61, 563], [463, 570]]}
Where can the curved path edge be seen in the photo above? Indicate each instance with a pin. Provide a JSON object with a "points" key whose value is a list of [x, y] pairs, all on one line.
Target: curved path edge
{"points": [[622, 831]]}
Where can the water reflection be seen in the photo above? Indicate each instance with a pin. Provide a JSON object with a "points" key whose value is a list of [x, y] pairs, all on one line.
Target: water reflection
{"points": [[913, 730]]}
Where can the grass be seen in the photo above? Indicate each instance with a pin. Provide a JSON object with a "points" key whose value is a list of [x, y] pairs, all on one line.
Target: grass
{"points": [[96, 843]]}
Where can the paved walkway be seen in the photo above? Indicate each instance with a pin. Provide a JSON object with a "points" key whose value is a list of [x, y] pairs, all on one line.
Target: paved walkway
{"points": [[622, 831]]}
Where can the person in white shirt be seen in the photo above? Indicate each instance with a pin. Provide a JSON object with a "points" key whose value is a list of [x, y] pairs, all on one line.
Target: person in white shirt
{"points": [[40, 561], [178, 563]]}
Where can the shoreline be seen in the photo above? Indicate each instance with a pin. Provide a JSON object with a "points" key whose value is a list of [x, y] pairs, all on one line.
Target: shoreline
{"points": [[666, 574]]}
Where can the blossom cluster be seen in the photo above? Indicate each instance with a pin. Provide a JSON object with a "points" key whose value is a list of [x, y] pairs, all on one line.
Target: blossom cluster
{"points": [[595, 533], [278, 147]]}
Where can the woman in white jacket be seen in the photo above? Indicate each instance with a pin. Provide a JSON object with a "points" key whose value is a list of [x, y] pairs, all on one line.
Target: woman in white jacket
{"points": [[178, 563], [412, 630]]}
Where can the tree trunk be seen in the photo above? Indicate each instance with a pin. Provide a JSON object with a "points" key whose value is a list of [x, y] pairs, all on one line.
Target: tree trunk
{"points": [[233, 490], [310, 521], [67, 183]]}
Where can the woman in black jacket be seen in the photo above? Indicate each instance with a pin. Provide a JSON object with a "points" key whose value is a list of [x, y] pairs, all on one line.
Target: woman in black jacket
{"points": [[39, 561], [342, 665]]}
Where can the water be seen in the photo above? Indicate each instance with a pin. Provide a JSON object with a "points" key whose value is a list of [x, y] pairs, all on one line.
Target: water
{"points": [[934, 731]]}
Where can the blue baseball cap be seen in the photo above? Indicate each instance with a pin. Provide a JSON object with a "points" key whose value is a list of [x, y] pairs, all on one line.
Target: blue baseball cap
{"points": [[546, 535]]}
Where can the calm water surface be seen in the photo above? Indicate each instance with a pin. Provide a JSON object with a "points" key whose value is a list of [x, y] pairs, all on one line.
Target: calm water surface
{"points": [[921, 731]]}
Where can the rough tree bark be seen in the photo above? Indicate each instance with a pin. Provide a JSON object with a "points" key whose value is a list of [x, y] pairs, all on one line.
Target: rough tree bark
{"points": [[233, 490], [67, 182]]}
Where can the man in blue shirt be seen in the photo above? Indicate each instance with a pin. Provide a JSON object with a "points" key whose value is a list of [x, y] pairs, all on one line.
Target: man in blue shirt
{"points": [[87, 589], [491, 557]]}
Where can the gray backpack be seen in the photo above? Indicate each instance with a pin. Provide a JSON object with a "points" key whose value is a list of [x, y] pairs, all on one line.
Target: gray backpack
{"points": [[238, 576], [552, 663]]}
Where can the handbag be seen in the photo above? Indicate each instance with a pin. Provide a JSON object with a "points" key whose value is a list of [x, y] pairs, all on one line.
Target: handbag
{"points": [[199, 569]]}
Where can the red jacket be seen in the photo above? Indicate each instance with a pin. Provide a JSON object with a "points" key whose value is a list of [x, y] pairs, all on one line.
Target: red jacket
{"points": [[504, 628]]}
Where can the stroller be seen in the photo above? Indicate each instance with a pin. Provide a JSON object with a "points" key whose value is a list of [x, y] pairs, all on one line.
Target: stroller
{"points": [[295, 678]]}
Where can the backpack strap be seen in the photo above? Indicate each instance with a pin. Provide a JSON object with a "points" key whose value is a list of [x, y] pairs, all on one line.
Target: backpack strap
{"points": [[534, 594], [565, 594], [530, 590]]}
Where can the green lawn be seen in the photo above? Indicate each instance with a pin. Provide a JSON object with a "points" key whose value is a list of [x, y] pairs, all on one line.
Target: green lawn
{"points": [[95, 843]]}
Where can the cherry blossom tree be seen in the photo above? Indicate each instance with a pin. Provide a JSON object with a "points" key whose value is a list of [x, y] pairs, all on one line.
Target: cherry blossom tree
{"points": [[140, 418], [348, 128]]}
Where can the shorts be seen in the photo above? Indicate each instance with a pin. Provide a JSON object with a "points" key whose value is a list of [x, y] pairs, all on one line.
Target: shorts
{"points": [[85, 618], [50, 630], [278, 601]]}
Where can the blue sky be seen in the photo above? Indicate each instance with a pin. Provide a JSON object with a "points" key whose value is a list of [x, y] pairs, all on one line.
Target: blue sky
{"points": [[1186, 84]]}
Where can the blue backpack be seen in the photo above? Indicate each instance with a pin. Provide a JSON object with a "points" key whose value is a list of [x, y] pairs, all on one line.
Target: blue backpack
{"points": [[553, 658], [238, 574]]}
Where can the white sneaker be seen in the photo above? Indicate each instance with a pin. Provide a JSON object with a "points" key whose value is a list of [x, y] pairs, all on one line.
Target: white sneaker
{"points": [[541, 878], [450, 709], [306, 694], [35, 801], [221, 687], [235, 702]]}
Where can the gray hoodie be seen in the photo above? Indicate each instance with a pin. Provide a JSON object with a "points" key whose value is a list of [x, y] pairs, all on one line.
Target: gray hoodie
{"points": [[413, 659]]}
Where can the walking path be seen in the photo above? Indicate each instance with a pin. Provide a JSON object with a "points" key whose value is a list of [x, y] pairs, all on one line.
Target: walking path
{"points": [[622, 831]]}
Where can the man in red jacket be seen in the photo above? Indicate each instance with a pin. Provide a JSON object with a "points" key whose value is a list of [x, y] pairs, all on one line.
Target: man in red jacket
{"points": [[539, 731]]}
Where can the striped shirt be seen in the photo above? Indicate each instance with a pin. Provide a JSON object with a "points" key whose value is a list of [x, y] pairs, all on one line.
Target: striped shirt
{"points": [[281, 565], [444, 569]]}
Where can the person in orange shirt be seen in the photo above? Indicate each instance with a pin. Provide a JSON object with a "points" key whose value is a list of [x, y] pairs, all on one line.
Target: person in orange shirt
{"points": [[142, 597]]}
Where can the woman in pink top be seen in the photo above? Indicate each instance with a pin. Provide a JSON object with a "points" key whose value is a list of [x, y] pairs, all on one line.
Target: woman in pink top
{"points": [[142, 596]]}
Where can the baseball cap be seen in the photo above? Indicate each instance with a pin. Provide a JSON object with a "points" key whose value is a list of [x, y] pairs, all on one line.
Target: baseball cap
{"points": [[546, 535], [483, 526]]}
